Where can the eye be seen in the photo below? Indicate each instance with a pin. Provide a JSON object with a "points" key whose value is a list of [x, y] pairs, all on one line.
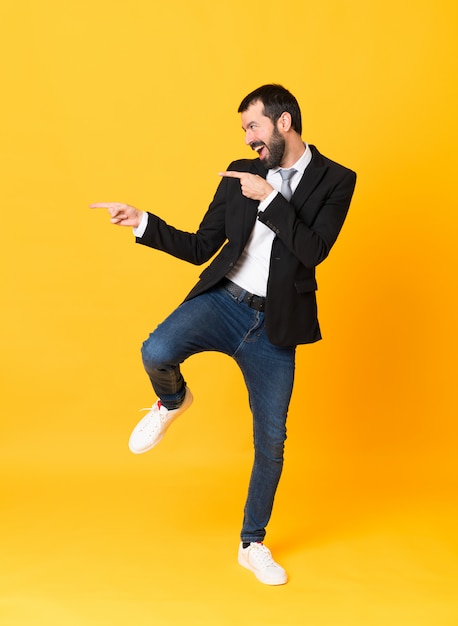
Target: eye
{"points": [[252, 126]]}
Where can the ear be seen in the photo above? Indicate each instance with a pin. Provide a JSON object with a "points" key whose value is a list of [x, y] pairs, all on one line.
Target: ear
{"points": [[284, 122]]}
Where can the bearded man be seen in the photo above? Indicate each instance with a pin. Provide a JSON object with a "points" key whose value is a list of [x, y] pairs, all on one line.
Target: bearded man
{"points": [[273, 220]]}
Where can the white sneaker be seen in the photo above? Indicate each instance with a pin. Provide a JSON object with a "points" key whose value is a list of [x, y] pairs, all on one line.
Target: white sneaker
{"points": [[258, 559], [151, 429]]}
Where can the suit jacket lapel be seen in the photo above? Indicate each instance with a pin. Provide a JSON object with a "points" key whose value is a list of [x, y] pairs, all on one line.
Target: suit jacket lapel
{"points": [[310, 180]]}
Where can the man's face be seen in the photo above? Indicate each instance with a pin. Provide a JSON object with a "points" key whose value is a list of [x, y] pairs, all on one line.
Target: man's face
{"points": [[261, 135]]}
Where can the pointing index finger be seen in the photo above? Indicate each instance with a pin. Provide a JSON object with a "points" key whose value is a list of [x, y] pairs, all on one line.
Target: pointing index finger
{"points": [[232, 174]]}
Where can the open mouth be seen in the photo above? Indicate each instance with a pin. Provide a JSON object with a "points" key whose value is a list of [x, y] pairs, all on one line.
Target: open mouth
{"points": [[260, 148]]}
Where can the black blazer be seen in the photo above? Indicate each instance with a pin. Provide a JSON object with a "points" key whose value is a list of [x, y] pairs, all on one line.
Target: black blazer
{"points": [[306, 228]]}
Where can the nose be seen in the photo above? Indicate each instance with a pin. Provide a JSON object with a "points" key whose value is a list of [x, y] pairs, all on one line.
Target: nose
{"points": [[249, 138]]}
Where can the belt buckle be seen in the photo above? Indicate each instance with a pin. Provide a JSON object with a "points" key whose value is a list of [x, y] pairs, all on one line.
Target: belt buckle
{"points": [[255, 302], [250, 300]]}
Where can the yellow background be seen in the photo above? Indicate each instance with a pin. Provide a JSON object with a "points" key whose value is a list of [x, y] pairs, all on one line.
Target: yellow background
{"points": [[136, 102]]}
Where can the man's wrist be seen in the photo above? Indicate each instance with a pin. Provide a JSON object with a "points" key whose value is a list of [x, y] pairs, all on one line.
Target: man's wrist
{"points": [[139, 231], [267, 200]]}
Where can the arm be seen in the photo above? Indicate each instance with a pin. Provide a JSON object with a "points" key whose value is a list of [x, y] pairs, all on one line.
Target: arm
{"points": [[312, 242], [195, 248]]}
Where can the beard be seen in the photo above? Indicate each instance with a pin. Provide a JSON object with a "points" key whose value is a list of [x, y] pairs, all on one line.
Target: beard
{"points": [[275, 150]]}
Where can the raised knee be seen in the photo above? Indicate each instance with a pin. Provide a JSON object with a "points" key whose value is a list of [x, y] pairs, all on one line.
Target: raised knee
{"points": [[152, 353]]}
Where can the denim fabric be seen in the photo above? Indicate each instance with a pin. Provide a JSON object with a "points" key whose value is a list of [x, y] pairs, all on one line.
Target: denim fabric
{"points": [[218, 321]]}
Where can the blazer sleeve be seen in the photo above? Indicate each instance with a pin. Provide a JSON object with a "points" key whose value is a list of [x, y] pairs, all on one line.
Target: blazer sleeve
{"points": [[309, 232], [198, 247]]}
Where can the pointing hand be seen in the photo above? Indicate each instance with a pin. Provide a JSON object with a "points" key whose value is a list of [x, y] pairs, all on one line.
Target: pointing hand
{"points": [[252, 185], [121, 214]]}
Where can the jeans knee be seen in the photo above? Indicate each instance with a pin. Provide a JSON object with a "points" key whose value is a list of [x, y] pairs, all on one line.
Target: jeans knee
{"points": [[271, 448], [153, 354]]}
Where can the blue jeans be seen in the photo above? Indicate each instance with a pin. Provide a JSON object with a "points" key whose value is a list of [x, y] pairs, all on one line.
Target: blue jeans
{"points": [[218, 321]]}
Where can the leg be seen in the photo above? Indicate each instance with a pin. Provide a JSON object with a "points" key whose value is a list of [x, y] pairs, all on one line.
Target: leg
{"points": [[198, 325], [269, 375], [214, 321], [211, 321], [162, 354]]}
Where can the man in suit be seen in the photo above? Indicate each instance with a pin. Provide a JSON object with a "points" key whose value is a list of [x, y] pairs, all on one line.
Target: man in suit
{"points": [[273, 220]]}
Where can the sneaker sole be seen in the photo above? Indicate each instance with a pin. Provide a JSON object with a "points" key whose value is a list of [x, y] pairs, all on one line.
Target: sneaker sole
{"points": [[265, 581]]}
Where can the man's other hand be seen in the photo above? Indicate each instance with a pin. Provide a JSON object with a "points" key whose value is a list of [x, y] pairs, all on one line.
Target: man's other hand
{"points": [[121, 214]]}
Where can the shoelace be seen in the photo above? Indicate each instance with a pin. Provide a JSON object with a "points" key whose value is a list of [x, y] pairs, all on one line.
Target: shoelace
{"points": [[157, 405], [262, 556], [155, 410]]}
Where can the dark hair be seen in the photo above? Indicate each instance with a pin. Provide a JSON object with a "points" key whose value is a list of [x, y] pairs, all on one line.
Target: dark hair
{"points": [[276, 100]]}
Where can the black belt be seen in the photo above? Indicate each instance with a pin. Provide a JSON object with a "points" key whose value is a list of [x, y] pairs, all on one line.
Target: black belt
{"points": [[255, 302]]}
